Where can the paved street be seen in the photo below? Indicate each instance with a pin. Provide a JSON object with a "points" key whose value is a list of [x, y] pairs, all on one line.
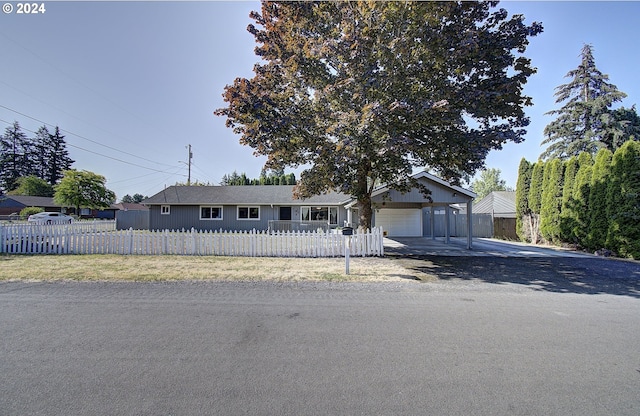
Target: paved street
{"points": [[450, 347]]}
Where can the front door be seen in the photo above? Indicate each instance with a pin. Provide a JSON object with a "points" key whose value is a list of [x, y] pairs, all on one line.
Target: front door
{"points": [[285, 213]]}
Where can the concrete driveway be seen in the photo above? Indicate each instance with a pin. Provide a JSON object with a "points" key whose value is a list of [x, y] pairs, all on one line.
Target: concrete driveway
{"points": [[482, 247]]}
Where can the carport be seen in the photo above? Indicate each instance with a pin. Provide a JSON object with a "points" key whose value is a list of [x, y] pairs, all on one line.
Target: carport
{"points": [[402, 215]]}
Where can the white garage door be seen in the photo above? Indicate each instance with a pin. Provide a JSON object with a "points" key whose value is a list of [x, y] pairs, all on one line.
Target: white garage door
{"points": [[400, 222]]}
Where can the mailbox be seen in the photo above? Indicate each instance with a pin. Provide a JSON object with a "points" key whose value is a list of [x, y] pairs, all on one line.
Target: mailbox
{"points": [[347, 231]]}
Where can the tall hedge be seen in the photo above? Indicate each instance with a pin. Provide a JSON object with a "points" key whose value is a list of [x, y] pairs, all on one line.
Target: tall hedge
{"points": [[623, 201], [567, 212], [599, 218], [580, 201], [522, 199], [592, 203], [551, 201], [535, 199]]}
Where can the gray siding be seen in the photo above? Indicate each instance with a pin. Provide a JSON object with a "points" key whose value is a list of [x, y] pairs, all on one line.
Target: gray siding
{"points": [[188, 216]]}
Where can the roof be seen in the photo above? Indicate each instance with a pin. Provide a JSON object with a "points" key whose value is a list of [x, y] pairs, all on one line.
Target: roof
{"points": [[239, 195], [130, 206], [498, 203], [33, 201]]}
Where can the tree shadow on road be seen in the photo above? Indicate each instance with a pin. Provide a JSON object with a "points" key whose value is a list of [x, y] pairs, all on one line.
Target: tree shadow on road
{"points": [[552, 274]]}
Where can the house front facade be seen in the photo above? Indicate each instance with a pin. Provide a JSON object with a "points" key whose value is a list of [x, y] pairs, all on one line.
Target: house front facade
{"points": [[244, 208]]}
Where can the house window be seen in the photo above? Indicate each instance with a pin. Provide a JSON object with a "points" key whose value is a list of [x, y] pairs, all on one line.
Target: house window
{"points": [[328, 214], [85, 211], [248, 213], [165, 209], [210, 213]]}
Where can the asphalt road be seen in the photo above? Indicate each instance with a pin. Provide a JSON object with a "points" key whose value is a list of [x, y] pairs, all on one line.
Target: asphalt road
{"points": [[406, 348]]}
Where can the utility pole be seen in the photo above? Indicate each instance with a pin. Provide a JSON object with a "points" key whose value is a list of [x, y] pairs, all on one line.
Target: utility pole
{"points": [[189, 165]]}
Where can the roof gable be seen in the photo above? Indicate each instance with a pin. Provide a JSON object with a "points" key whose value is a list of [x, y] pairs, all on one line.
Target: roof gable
{"points": [[442, 192], [497, 202]]}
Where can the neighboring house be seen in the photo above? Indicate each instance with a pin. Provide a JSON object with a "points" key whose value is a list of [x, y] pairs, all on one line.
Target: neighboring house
{"points": [[13, 204], [501, 205], [10, 204], [132, 215], [273, 207]]}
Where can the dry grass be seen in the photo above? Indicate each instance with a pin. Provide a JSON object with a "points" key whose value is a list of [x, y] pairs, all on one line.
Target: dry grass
{"points": [[170, 268]]}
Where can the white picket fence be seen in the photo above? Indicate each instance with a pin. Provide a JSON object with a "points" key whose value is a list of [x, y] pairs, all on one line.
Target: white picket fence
{"points": [[73, 239]]}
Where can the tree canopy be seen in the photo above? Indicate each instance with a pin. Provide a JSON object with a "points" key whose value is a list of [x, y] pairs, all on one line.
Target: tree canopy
{"points": [[488, 182], [33, 186], [364, 92], [43, 156], [586, 122], [83, 189]]}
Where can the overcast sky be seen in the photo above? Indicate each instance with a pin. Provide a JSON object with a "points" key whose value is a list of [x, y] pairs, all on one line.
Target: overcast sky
{"points": [[133, 83]]}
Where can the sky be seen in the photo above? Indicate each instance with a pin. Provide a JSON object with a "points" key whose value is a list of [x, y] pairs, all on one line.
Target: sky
{"points": [[133, 84]]}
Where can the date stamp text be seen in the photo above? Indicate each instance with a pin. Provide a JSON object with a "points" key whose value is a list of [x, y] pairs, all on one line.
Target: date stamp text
{"points": [[24, 8]]}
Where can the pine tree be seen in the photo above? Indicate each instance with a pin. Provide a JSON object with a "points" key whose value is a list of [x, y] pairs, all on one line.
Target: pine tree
{"points": [[625, 125], [57, 157], [523, 212], [15, 150], [551, 201], [599, 218], [623, 198], [586, 122]]}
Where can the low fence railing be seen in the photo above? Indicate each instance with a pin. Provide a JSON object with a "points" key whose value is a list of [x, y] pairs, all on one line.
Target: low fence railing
{"points": [[69, 239]]}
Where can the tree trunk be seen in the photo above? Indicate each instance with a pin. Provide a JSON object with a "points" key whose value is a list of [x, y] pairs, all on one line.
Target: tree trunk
{"points": [[366, 212]]}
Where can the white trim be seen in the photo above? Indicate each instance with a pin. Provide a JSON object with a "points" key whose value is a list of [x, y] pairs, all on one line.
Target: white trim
{"points": [[248, 207], [219, 207]]}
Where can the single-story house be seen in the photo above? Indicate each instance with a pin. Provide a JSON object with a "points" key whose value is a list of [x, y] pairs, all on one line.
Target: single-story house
{"points": [[501, 205], [244, 208], [13, 204]]}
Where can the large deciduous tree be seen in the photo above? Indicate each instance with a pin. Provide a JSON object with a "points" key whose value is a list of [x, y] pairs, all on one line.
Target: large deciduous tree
{"points": [[83, 189], [361, 93], [586, 122]]}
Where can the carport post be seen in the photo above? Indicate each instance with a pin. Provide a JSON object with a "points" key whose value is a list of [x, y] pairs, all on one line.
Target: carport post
{"points": [[469, 225], [447, 221]]}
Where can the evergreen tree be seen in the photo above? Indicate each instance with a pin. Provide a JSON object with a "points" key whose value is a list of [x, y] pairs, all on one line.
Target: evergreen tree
{"points": [[535, 199], [57, 157], [599, 218], [580, 204], [551, 201], [625, 125], [15, 150], [523, 212], [623, 204], [586, 122], [567, 213]]}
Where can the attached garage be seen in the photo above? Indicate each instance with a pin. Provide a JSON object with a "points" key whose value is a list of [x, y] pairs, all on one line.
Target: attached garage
{"points": [[411, 214], [399, 222]]}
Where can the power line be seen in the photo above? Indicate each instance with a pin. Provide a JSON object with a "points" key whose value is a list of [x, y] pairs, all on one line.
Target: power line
{"points": [[84, 138], [96, 153]]}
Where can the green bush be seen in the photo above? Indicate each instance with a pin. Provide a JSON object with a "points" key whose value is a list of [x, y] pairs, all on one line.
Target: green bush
{"points": [[30, 211]]}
